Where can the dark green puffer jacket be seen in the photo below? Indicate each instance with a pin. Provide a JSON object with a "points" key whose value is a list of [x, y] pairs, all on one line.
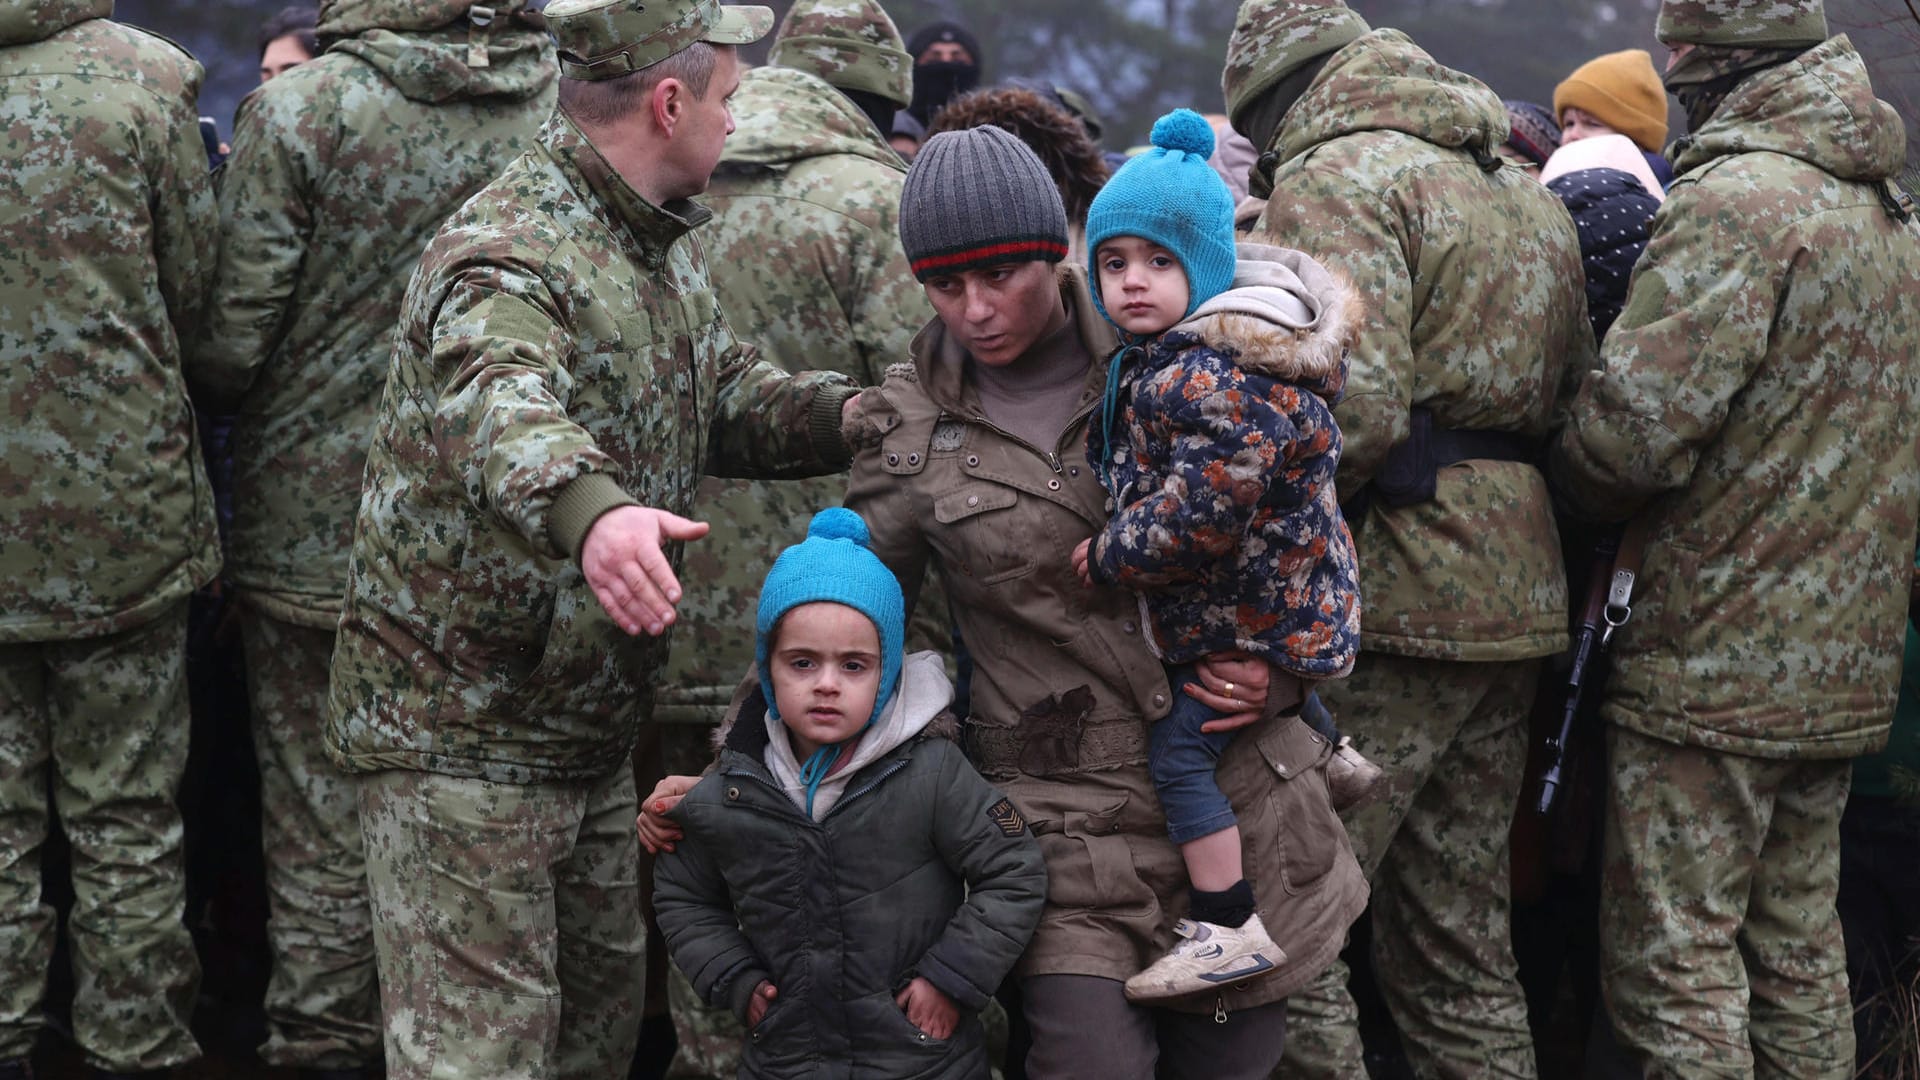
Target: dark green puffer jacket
{"points": [[921, 868]]}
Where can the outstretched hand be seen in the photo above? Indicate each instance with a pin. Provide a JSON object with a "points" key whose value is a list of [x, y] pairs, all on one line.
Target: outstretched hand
{"points": [[624, 559]]}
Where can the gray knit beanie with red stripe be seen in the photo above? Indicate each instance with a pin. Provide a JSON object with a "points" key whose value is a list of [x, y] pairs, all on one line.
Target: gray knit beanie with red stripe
{"points": [[978, 198]]}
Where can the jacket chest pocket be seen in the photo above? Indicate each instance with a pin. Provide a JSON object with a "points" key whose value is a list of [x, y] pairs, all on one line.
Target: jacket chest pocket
{"points": [[986, 534], [642, 397]]}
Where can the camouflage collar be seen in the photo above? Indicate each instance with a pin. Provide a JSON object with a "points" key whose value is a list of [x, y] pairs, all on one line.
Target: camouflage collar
{"points": [[654, 229]]}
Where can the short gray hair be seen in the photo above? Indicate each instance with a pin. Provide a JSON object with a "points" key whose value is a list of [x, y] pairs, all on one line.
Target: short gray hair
{"points": [[608, 101]]}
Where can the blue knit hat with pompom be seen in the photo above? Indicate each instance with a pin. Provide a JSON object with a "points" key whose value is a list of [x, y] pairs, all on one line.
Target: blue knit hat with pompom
{"points": [[834, 565], [1172, 197]]}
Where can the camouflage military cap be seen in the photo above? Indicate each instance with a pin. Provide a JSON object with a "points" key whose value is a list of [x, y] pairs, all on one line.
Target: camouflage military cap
{"points": [[605, 39], [1272, 39], [851, 44], [1744, 24]]}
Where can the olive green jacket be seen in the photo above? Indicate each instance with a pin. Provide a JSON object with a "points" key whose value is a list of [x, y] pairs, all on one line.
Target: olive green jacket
{"points": [[107, 237], [342, 170], [1475, 307], [804, 250], [1754, 410], [561, 353]]}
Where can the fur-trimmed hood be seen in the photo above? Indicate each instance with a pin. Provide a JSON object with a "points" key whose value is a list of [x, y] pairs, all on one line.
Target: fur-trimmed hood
{"points": [[1287, 317]]}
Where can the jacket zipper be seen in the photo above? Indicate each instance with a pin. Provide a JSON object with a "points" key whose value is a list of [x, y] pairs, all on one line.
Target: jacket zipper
{"points": [[898, 764]]}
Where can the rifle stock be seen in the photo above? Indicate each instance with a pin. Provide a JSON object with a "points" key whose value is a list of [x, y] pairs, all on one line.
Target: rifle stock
{"points": [[1589, 638]]}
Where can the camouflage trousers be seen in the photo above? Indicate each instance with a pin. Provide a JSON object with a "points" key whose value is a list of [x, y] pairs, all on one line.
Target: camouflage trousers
{"points": [[103, 722], [507, 924], [323, 1005], [1721, 950], [1451, 738]]}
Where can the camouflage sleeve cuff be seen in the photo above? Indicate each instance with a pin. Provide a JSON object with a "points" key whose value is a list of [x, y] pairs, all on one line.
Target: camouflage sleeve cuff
{"points": [[824, 424], [579, 505]]}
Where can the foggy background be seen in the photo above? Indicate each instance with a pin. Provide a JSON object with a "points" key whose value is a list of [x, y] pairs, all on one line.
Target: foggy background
{"points": [[1135, 59]]}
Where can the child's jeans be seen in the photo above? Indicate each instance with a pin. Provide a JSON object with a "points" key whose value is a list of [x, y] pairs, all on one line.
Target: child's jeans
{"points": [[1182, 759]]}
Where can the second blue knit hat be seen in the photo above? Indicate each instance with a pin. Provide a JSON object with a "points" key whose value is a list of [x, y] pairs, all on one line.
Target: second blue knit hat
{"points": [[833, 564], [1172, 197]]}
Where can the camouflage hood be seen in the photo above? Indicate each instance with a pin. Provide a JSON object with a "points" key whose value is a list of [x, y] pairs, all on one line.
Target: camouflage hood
{"points": [[1384, 82], [1819, 108], [25, 21], [426, 48], [783, 116]]}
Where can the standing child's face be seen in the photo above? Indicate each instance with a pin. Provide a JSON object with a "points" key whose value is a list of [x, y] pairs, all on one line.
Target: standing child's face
{"points": [[825, 665], [1141, 284]]}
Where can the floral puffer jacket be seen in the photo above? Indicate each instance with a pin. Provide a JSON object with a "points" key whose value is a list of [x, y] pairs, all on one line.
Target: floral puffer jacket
{"points": [[1219, 451]]}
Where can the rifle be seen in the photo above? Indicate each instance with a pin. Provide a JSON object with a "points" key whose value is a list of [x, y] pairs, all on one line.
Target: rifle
{"points": [[1607, 608]]}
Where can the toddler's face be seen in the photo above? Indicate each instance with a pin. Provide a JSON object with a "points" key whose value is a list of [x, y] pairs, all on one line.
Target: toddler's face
{"points": [[1577, 124], [1141, 284], [825, 664]]}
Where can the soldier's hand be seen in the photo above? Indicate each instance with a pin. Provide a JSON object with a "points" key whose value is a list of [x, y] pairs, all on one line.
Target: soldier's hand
{"points": [[657, 834], [763, 996], [928, 1009], [624, 559], [1233, 683]]}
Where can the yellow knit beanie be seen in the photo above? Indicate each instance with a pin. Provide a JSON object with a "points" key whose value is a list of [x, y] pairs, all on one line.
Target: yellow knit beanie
{"points": [[1622, 91]]}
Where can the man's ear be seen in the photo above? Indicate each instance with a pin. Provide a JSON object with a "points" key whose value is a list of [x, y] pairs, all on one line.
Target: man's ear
{"points": [[668, 103]]}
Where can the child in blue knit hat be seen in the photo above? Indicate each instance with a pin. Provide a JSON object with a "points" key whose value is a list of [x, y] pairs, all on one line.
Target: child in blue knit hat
{"points": [[846, 882], [1218, 446]]}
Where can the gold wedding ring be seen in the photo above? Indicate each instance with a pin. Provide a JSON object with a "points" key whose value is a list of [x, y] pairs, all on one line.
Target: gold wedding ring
{"points": [[1229, 691]]}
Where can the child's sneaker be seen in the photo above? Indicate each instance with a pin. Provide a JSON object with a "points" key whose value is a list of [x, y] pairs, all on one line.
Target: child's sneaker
{"points": [[1211, 956], [1352, 780]]}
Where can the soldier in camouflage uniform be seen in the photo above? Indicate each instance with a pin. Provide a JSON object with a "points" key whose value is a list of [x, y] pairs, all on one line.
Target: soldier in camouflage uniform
{"points": [[1384, 165], [561, 376], [804, 250], [342, 169], [107, 234], [1753, 413]]}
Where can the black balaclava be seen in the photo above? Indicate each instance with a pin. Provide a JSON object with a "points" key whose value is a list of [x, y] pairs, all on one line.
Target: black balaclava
{"points": [[879, 109], [1702, 79], [1261, 123], [936, 84]]}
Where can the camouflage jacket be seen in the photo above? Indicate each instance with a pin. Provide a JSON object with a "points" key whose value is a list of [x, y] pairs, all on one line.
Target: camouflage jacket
{"points": [[1755, 406], [804, 250], [1065, 685], [1474, 290], [559, 333], [107, 236], [342, 170]]}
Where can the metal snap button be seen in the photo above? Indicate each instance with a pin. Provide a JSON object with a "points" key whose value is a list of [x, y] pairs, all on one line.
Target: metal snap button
{"points": [[1159, 700], [1053, 485], [893, 459], [913, 459], [973, 500], [733, 793], [1129, 626], [1074, 471], [973, 459]]}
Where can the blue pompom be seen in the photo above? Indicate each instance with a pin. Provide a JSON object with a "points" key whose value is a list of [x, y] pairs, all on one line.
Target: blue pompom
{"points": [[838, 523], [1184, 129]]}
